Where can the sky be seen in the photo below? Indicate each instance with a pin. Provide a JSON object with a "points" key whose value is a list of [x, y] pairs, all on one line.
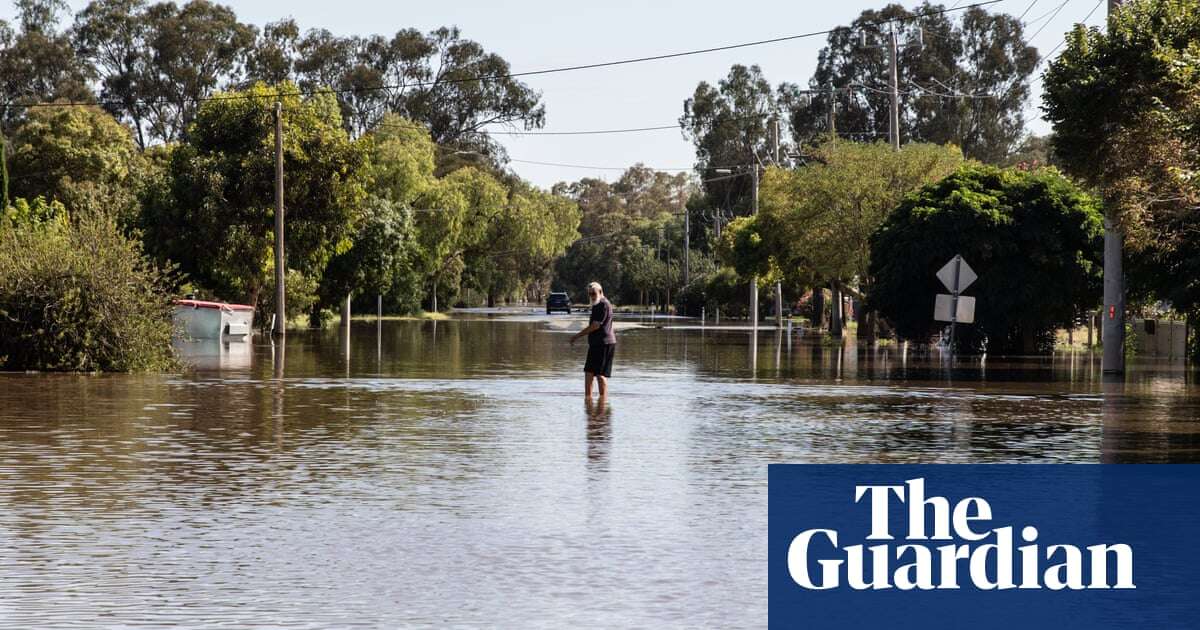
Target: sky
{"points": [[539, 34]]}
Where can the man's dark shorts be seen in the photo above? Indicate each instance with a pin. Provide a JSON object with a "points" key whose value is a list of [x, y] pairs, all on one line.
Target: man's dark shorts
{"points": [[599, 359]]}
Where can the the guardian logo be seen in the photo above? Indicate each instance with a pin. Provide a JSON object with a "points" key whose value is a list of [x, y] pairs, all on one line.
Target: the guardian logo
{"points": [[973, 555]]}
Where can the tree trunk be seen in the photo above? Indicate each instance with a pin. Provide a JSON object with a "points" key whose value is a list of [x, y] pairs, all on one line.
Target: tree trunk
{"points": [[835, 313], [860, 318], [491, 299], [346, 311], [818, 308], [1028, 345]]}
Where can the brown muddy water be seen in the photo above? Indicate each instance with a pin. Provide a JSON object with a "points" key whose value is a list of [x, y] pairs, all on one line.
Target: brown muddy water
{"points": [[449, 473]]}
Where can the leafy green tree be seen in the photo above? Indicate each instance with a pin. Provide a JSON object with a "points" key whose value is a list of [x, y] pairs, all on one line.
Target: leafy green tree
{"points": [[729, 125], [624, 227], [114, 36], [272, 59], [1033, 238], [454, 107], [979, 53], [1122, 102], [38, 62], [534, 229], [382, 258], [402, 160], [158, 62], [217, 220], [423, 77], [80, 156], [1125, 105], [79, 296], [32, 213], [461, 207], [815, 222], [1033, 152]]}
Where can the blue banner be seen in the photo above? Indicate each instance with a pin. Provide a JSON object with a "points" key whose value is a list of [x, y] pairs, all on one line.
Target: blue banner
{"points": [[984, 546]]}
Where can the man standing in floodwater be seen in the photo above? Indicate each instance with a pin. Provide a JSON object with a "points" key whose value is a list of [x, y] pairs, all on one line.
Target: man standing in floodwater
{"points": [[602, 342]]}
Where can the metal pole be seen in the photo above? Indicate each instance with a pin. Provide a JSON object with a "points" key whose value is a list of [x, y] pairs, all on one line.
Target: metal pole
{"points": [[779, 305], [754, 279], [280, 261], [954, 301], [1113, 327], [778, 285], [894, 84]]}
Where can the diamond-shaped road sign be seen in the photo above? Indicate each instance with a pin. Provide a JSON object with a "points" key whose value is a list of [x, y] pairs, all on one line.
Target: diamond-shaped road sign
{"points": [[966, 275], [942, 309]]}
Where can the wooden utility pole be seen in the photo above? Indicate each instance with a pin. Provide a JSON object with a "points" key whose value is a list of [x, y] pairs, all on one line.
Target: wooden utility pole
{"points": [[280, 262], [894, 85], [832, 105], [687, 245], [1113, 327], [3, 173]]}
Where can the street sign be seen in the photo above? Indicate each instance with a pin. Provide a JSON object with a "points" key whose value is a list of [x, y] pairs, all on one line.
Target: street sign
{"points": [[966, 275], [943, 309]]}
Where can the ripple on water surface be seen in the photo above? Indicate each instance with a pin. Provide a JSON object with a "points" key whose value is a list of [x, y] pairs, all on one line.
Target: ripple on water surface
{"points": [[450, 474]]}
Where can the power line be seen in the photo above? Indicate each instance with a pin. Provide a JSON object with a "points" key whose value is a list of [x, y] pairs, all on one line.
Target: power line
{"points": [[1064, 40], [956, 94], [601, 168], [581, 133], [1027, 10], [1043, 26], [511, 75], [416, 125]]}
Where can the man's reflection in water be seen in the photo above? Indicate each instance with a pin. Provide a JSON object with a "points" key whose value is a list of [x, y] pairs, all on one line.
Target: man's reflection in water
{"points": [[599, 429]]}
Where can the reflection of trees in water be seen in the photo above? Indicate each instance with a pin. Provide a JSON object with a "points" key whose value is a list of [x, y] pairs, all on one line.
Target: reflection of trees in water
{"points": [[111, 444], [1141, 425], [441, 349]]}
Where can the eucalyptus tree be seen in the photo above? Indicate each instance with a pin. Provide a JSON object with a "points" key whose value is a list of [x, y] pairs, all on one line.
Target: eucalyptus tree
{"points": [[964, 79], [729, 124], [37, 61], [158, 62]]}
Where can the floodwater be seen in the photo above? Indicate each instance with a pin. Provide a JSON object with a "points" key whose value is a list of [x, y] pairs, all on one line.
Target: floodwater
{"points": [[450, 474]]}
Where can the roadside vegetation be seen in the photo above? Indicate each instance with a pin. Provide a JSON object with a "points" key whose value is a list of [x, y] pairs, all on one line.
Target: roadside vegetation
{"points": [[150, 127], [77, 295]]}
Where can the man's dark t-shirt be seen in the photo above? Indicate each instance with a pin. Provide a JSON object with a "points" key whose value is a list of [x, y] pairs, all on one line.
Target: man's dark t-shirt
{"points": [[602, 313]]}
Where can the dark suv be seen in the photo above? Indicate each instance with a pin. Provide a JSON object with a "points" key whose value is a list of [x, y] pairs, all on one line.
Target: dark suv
{"points": [[558, 302]]}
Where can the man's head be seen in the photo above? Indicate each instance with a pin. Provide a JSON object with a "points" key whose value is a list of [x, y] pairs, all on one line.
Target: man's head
{"points": [[595, 292]]}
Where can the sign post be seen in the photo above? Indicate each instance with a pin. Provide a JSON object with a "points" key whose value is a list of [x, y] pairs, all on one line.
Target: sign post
{"points": [[955, 308]]}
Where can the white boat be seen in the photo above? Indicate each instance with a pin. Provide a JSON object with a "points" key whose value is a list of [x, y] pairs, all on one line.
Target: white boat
{"points": [[199, 319]]}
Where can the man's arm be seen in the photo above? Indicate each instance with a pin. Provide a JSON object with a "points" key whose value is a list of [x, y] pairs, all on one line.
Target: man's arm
{"points": [[592, 327]]}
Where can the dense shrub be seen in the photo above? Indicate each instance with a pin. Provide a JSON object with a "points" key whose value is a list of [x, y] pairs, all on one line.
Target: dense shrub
{"points": [[80, 296], [1033, 237]]}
